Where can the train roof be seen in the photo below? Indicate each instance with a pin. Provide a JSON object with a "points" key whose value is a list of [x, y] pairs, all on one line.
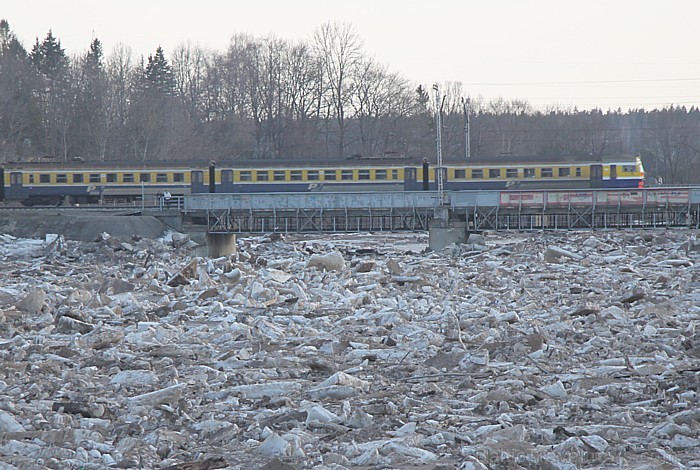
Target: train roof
{"points": [[304, 163]]}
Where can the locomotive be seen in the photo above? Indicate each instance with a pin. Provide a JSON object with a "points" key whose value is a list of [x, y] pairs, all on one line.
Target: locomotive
{"points": [[51, 183]]}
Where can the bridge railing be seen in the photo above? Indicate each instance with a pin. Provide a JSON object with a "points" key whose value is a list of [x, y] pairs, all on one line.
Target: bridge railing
{"points": [[305, 201], [535, 200], [481, 210]]}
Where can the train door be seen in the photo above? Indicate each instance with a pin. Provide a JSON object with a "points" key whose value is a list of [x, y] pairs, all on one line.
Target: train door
{"points": [[198, 182], [409, 179], [2, 184], [16, 191], [226, 181], [596, 176], [613, 176]]}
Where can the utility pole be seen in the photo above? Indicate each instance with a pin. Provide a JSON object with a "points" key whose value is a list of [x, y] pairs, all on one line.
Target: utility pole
{"points": [[467, 110], [438, 123]]}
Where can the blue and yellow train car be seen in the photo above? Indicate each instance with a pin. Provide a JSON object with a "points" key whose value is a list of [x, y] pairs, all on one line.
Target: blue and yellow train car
{"points": [[535, 173], [49, 183]]}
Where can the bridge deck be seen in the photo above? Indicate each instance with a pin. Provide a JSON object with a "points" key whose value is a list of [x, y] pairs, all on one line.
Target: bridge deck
{"points": [[482, 210]]}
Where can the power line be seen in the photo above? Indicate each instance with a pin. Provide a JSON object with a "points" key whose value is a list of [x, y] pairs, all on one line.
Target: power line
{"points": [[628, 106], [617, 104], [586, 82], [609, 102], [685, 97], [612, 129], [516, 140]]}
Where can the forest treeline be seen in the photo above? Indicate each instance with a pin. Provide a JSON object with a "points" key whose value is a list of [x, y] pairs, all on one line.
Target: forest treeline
{"points": [[268, 98]]}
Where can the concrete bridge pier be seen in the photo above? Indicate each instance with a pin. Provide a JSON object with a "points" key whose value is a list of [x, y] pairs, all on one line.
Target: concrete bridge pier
{"points": [[443, 231], [221, 244]]}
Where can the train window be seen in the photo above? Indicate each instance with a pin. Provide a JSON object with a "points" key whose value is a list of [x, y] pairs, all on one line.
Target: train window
{"points": [[178, 177], [529, 172], [295, 175], [95, 178], [460, 174], [547, 172], [111, 177], [262, 176], [128, 178], [494, 173], [245, 176], [578, 172], [312, 175], [78, 178], [380, 175], [278, 175], [144, 177], [31, 179], [161, 177], [44, 178], [478, 173], [511, 172], [629, 168], [394, 174], [346, 174], [563, 172], [329, 175], [61, 178], [363, 175]]}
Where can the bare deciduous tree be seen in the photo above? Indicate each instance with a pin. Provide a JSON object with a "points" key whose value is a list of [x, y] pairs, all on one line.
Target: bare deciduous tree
{"points": [[379, 98], [339, 50], [189, 65], [303, 80], [676, 146], [119, 71]]}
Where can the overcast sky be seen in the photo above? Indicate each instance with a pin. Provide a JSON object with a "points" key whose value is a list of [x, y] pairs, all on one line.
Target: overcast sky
{"points": [[587, 53]]}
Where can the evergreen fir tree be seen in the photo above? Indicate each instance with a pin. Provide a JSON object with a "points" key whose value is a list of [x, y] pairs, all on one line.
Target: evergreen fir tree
{"points": [[49, 57], [20, 115], [88, 126], [159, 74], [55, 96], [93, 59], [422, 99], [9, 43]]}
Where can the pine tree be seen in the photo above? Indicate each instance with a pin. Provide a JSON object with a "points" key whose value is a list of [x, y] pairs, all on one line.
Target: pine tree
{"points": [[152, 113], [159, 74], [89, 124], [422, 99], [49, 57], [56, 96], [20, 117], [9, 43], [93, 59]]}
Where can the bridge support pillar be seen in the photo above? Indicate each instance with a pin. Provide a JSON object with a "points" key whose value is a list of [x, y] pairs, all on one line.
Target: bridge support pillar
{"points": [[221, 244], [444, 232]]}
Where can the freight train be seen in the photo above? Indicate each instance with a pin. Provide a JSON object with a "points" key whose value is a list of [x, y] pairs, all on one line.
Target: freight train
{"points": [[51, 183]]}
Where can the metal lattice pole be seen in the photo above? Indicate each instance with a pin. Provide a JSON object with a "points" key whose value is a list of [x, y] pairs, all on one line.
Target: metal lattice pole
{"points": [[467, 138], [438, 119]]}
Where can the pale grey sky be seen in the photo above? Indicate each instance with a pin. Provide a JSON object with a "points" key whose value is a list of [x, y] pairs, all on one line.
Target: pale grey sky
{"points": [[605, 53]]}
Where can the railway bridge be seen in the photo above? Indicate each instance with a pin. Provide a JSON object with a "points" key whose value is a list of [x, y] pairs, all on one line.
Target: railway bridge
{"points": [[659, 207]]}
